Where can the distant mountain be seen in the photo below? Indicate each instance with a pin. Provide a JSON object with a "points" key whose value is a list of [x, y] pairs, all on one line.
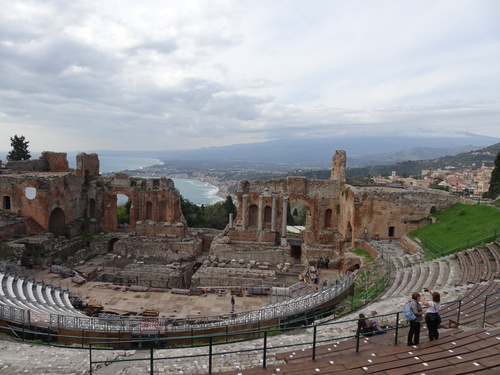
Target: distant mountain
{"points": [[289, 154], [318, 152]]}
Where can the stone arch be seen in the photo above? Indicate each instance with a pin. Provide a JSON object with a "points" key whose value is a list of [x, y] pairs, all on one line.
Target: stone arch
{"points": [[154, 199], [57, 222], [307, 207], [353, 267]]}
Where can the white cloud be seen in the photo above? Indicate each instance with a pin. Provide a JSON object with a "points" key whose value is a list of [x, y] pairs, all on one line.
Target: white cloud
{"points": [[121, 74]]}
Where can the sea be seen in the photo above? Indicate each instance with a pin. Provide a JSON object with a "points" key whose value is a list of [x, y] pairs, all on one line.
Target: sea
{"points": [[197, 192]]}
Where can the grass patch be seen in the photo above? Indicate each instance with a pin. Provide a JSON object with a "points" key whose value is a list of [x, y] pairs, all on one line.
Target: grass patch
{"points": [[6, 252], [459, 227], [363, 253]]}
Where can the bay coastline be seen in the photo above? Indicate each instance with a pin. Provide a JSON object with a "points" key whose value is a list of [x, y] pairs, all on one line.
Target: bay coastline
{"points": [[198, 189]]}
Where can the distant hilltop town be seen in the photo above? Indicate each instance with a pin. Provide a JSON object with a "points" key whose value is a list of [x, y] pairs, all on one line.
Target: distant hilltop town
{"points": [[472, 183]]}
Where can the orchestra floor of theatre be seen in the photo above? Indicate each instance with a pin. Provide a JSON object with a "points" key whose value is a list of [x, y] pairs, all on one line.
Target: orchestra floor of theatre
{"points": [[121, 300]]}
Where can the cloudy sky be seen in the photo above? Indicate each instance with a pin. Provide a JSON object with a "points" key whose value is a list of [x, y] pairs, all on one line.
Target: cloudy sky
{"points": [[85, 75]]}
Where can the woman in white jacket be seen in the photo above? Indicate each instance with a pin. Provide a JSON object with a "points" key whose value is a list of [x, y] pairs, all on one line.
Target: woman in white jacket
{"points": [[432, 318]]}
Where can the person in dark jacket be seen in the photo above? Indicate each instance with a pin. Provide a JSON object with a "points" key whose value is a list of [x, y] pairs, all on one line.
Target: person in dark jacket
{"points": [[365, 326], [414, 332]]}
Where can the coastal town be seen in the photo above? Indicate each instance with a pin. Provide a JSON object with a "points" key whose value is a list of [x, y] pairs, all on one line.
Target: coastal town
{"points": [[472, 183]]}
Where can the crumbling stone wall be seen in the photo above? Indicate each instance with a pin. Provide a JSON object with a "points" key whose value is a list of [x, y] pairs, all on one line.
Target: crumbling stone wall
{"points": [[48, 162], [385, 212], [167, 250], [87, 164], [338, 215], [147, 275], [70, 203], [153, 199], [38, 196]]}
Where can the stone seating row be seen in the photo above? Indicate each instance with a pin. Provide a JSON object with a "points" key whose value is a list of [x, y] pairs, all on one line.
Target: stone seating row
{"points": [[455, 352], [479, 264], [437, 274], [472, 308], [494, 248], [39, 299], [441, 274]]}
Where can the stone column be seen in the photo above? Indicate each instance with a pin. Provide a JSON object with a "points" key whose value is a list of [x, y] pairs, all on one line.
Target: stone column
{"points": [[273, 217], [261, 209], [244, 212], [283, 222], [231, 226]]}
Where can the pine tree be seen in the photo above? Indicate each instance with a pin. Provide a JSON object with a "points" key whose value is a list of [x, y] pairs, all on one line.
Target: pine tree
{"points": [[494, 190], [19, 149]]}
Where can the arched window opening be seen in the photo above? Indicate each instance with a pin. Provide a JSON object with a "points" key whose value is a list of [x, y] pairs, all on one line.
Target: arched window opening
{"points": [[57, 222]]}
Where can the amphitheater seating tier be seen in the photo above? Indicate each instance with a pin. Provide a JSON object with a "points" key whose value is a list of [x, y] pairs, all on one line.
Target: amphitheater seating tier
{"points": [[41, 300]]}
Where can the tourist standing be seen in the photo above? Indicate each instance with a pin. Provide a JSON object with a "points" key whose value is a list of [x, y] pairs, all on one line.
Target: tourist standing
{"points": [[232, 304], [414, 332], [432, 318]]}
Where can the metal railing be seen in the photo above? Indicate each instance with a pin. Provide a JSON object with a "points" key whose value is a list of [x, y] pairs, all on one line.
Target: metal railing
{"points": [[218, 340], [490, 302]]}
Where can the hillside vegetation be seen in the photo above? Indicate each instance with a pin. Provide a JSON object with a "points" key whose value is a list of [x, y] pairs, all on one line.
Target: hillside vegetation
{"points": [[459, 227]]}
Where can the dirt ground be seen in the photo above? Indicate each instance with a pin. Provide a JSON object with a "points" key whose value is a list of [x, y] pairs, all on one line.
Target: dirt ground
{"points": [[121, 300]]}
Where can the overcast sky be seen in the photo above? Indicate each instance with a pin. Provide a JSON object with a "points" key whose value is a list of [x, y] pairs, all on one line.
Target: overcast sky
{"points": [[152, 74]]}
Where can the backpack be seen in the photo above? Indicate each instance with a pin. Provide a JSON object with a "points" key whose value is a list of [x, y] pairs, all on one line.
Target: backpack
{"points": [[408, 312]]}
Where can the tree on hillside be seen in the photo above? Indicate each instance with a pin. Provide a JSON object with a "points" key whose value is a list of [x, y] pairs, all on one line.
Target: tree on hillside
{"points": [[230, 206], [19, 149], [193, 214], [494, 190]]}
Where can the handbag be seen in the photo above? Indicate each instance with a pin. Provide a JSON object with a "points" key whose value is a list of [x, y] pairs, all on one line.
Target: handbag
{"points": [[408, 312]]}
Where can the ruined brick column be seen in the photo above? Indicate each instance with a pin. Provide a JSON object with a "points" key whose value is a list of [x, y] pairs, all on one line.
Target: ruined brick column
{"points": [[261, 209], [339, 166], [244, 212], [283, 221], [273, 216]]}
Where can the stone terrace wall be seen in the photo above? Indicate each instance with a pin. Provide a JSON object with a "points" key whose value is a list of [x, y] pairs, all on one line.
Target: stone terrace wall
{"points": [[169, 251]]}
